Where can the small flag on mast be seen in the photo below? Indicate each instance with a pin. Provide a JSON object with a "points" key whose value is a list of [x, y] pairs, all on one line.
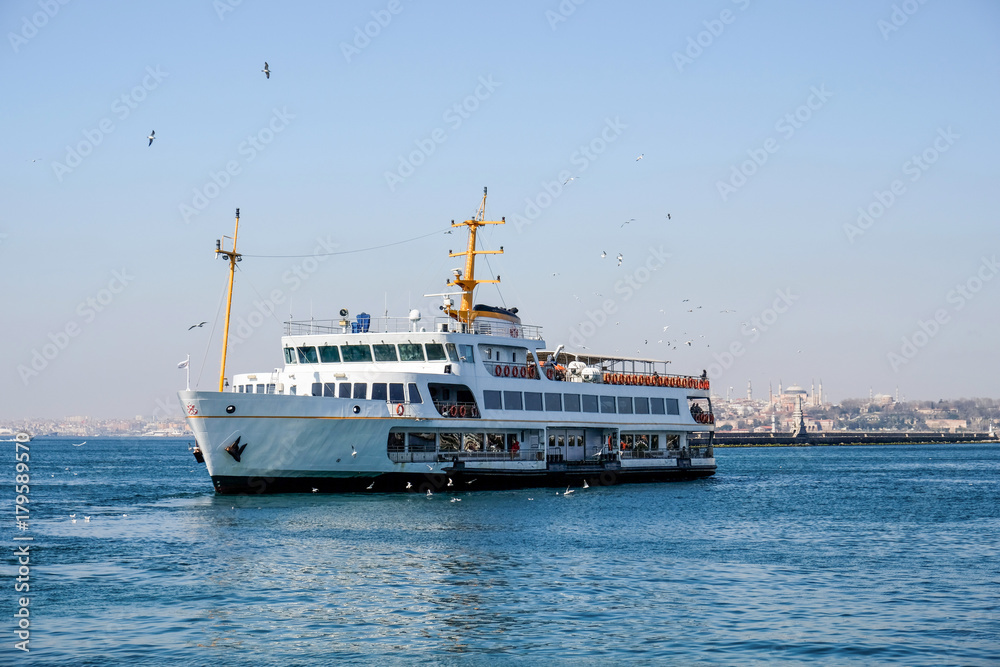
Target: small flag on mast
{"points": [[183, 364]]}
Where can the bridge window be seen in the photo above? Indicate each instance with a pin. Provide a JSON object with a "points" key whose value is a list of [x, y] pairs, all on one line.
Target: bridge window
{"points": [[396, 392], [491, 399], [414, 393], [624, 405], [533, 400], [656, 406], [641, 405], [385, 352], [379, 392], [411, 352], [289, 355], [352, 353], [360, 390], [608, 404], [589, 403], [553, 402], [328, 354], [571, 402], [307, 355], [435, 352], [466, 353], [672, 407], [512, 400]]}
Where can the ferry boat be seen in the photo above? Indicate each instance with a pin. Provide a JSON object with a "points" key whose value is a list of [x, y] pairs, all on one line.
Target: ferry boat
{"points": [[471, 399]]}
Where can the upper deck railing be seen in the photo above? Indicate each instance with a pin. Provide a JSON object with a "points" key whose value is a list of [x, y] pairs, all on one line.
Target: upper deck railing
{"points": [[406, 325]]}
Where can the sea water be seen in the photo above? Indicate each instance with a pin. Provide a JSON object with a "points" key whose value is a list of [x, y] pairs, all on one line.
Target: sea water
{"points": [[830, 555]]}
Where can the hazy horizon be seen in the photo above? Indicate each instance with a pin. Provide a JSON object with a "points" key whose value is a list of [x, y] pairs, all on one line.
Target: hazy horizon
{"points": [[828, 172]]}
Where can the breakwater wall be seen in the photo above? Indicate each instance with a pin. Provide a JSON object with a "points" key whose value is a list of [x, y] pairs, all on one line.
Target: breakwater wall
{"points": [[724, 439]]}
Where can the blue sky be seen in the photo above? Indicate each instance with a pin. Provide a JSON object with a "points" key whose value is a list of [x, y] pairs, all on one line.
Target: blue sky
{"points": [[764, 128]]}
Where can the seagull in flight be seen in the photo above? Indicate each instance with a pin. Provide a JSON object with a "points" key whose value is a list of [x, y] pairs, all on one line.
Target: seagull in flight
{"points": [[604, 254], [371, 486], [315, 490], [456, 500], [409, 485], [640, 157], [354, 452], [80, 444], [585, 485], [620, 259], [429, 493], [628, 221], [266, 70], [567, 491], [152, 135], [450, 482], [429, 466], [571, 178], [195, 326]]}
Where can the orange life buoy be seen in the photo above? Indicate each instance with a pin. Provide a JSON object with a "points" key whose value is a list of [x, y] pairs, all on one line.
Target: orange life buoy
{"points": [[506, 371], [454, 411], [663, 382], [399, 409], [607, 378], [619, 378], [548, 373], [522, 371], [531, 371], [461, 411], [497, 370]]}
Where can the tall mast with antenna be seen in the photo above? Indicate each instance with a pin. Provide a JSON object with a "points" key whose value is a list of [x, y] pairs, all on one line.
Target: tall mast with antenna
{"points": [[232, 256], [467, 282]]}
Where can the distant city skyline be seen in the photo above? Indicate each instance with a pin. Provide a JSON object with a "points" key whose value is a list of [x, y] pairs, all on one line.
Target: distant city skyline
{"points": [[760, 190]]}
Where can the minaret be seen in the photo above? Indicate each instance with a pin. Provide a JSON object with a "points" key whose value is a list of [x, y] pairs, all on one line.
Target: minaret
{"points": [[770, 393], [749, 391], [812, 393], [821, 392], [779, 389], [798, 417]]}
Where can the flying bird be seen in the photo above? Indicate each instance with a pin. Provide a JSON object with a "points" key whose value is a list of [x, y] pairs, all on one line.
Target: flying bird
{"points": [[640, 157], [571, 178], [668, 216], [450, 482], [354, 452], [86, 519], [585, 485], [315, 490], [604, 254], [628, 221], [152, 135], [195, 326], [409, 485], [370, 486], [80, 444], [266, 70], [567, 491], [456, 500], [429, 494], [620, 259]]}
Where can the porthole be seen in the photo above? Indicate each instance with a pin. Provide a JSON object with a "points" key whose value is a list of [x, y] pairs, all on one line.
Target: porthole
{"points": [[357, 409], [230, 409]]}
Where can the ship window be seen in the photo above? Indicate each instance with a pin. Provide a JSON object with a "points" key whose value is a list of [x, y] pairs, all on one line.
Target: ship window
{"points": [[532, 400], [293, 390], [396, 392], [289, 355], [672, 408], [395, 443], [450, 442], [489, 353], [589, 403], [356, 352], [414, 394], [494, 442], [345, 389], [421, 442], [239, 388], [608, 404], [307, 355], [624, 405], [260, 389], [673, 441], [385, 352], [512, 400], [571, 402], [553, 402], [329, 388], [452, 352], [411, 352], [328, 354], [435, 352], [656, 406], [360, 390], [378, 391], [317, 388], [513, 357], [641, 406], [473, 442], [467, 353], [491, 399], [511, 441]]}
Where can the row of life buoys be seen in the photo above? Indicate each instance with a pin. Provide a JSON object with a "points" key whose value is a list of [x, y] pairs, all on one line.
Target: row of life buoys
{"points": [[705, 418], [655, 381], [458, 411]]}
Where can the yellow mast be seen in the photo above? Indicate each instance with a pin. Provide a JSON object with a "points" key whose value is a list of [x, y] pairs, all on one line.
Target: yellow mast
{"points": [[467, 281], [233, 257]]}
